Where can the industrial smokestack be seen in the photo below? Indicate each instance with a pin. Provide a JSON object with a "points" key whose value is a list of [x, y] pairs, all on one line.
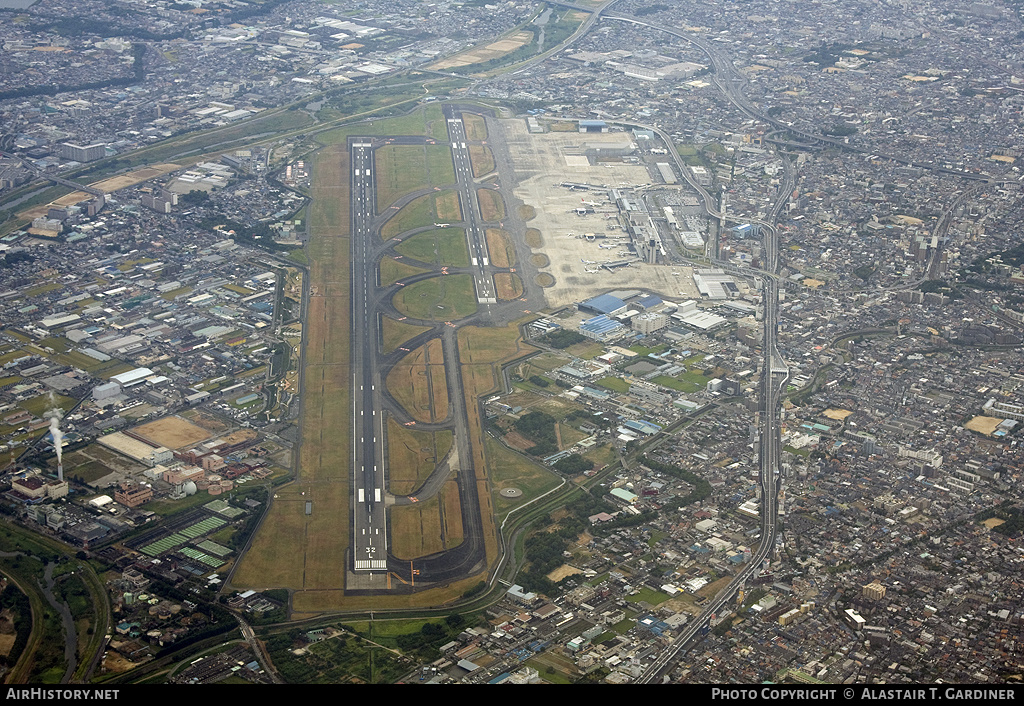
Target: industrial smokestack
{"points": [[58, 441]]}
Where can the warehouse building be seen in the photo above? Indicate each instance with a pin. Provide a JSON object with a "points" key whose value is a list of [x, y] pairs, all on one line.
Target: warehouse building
{"points": [[601, 328]]}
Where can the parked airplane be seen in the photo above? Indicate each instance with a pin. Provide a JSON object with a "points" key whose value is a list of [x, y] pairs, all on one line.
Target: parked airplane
{"points": [[442, 225]]}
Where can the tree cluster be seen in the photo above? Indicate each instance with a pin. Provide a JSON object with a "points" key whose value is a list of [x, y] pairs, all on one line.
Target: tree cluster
{"points": [[538, 427], [562, 338], [701, 488], [544, 549], [572, 465]]}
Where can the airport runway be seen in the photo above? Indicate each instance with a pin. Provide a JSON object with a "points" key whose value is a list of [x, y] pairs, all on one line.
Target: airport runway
{"points": [[370, 567], [370, 539]]}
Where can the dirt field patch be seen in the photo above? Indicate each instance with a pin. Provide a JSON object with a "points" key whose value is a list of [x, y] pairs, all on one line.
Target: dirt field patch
{"points": [[493, 50], [207, 421], [984, 425], [711, 590], [544, 280], [500, 249], [132, 178], [482, 160], [518, 441], [526, 213], [6, 643], [562, 571], [506, 45], [237, 437], [508, 286], [173, 432], [539, 260], [66, 200], [533, 238], [429, 526], [446, 205], [476, 128], [115, 663], [418, 383], [413, 456], [492, 208]]}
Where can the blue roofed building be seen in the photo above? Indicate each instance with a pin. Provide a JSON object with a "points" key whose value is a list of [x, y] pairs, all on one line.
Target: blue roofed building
{"points": [[652, 624], [644, 427], [601, 328], [593, 392], [604, 304], [747, 230], [648, 302]]}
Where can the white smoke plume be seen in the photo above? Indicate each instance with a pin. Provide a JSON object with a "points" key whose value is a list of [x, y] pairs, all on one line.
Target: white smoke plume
{"points": [[56, 433]]}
